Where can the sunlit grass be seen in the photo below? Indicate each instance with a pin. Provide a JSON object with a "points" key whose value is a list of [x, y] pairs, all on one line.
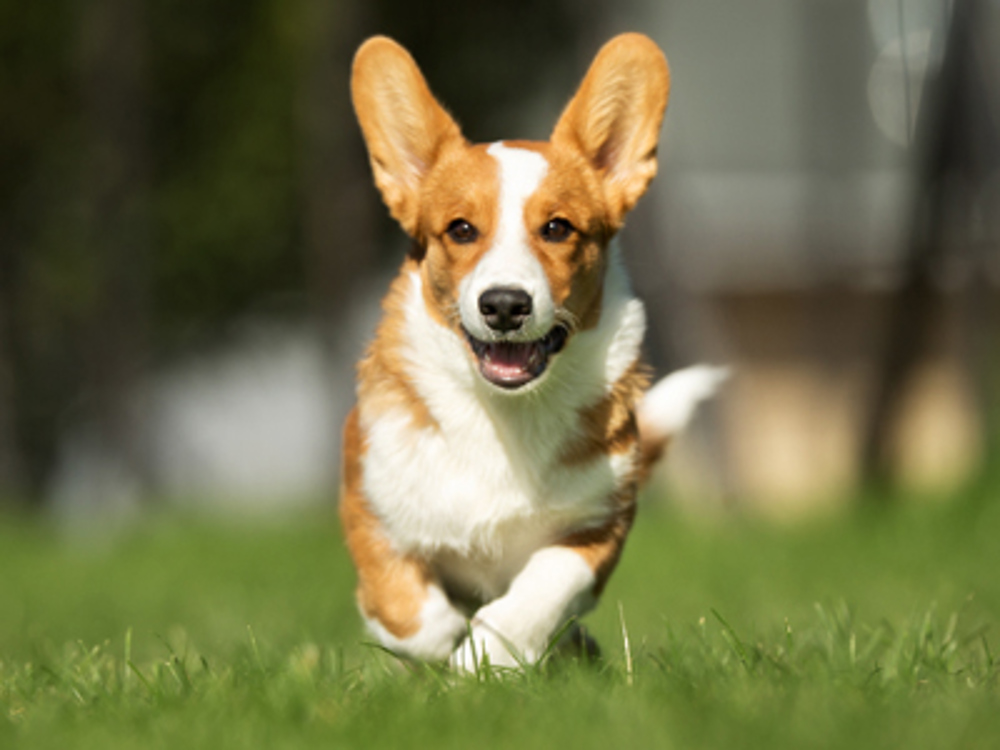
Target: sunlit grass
{"points": [[877, 633]]}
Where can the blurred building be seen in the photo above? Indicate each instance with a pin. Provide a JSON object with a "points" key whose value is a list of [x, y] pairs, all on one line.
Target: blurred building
{"points": [[806, 143]]}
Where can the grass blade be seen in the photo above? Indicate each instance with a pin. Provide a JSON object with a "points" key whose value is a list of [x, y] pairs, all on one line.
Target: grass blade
{"points": [[733, 639]]}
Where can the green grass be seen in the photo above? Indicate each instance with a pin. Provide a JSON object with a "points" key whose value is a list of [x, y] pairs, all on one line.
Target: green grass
{"points": [[867, 632]]}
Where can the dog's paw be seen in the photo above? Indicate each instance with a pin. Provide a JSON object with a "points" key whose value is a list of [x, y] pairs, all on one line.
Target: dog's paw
{"points": [[484, 646], [441, 626]]}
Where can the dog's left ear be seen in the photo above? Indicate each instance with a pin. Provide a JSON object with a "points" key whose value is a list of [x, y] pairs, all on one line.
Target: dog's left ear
{"points": [[614, 119]]}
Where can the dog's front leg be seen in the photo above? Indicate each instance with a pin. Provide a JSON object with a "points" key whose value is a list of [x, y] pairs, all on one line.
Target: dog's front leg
{"points": [[402, 602], [557, 583]]}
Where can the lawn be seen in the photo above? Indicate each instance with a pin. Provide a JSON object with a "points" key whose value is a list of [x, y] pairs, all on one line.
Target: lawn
{"points": [[879, 631]]}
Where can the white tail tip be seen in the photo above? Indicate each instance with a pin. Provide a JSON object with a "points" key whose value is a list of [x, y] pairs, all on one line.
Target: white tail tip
{"points": [[668, 406]]}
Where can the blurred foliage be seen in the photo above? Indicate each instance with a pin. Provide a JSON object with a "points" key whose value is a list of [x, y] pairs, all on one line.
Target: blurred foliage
{"points": [[212, 192], [224, 200]]}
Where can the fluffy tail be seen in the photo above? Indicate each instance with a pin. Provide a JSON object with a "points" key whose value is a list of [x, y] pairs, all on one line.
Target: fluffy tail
{"points": [[668, 406]]}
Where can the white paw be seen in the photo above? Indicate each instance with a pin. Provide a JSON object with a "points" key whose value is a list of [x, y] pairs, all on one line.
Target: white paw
{"points": [[484, 646], [441, 625]]}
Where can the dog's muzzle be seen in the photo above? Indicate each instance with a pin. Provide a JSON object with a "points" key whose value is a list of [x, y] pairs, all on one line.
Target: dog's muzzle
{"points": [[513, 364]]}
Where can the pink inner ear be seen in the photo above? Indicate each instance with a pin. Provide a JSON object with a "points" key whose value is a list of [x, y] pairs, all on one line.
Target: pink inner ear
{"points": [[608, 154]]}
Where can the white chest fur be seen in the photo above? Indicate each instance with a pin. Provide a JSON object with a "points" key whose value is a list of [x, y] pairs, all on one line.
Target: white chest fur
{"points": [[484, 488]]}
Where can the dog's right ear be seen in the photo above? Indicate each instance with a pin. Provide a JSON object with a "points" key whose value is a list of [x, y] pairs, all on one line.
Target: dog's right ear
{"points": [[403, 125], [614, 119]]}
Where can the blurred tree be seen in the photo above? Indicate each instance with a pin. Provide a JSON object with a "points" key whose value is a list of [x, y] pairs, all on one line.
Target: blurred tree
{"points": [[337, 210], [959, 150], [115, 225], [225, 208], [11, 469], [36, 107]]}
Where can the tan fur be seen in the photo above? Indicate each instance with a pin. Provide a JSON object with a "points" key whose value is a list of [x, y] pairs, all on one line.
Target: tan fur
{"points": [[464, 184], [575, 269], [609, 426], [383, 383], [391, 587], [602, 547], [652, 445]]}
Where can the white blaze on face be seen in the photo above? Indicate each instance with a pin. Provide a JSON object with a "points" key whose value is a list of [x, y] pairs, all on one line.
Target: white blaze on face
{"points": [[509, 262]]}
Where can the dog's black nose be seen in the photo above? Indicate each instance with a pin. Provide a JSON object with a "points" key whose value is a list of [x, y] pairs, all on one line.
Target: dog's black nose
{"points": [[505, 309]]}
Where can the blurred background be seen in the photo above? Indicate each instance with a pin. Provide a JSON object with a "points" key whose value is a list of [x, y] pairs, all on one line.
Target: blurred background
{"points": [[192, 252]]}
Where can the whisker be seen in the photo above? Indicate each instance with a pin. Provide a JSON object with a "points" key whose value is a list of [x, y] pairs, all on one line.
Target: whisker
{"points": [[567, 319]]}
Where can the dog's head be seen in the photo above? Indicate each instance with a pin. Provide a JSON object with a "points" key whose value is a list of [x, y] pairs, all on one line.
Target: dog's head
{"points": [[512, 237]]}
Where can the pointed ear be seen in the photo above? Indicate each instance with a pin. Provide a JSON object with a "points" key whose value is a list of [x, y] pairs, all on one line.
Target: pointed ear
{"points": [[403, 125], [614, 119]]}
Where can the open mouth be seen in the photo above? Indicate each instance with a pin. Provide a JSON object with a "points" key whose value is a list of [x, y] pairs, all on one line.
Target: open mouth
{"points": [[512, 364]]}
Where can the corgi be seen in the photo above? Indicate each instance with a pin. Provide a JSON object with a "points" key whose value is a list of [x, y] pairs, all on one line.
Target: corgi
{"points": [[501, 431]]}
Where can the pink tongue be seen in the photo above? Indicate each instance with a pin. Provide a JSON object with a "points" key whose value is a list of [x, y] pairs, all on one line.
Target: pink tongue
{"points": [[506, 361]]}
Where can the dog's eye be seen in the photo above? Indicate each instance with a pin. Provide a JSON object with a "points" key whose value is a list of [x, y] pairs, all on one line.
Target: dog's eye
{"points": [[557, 230], [462, 232]]}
